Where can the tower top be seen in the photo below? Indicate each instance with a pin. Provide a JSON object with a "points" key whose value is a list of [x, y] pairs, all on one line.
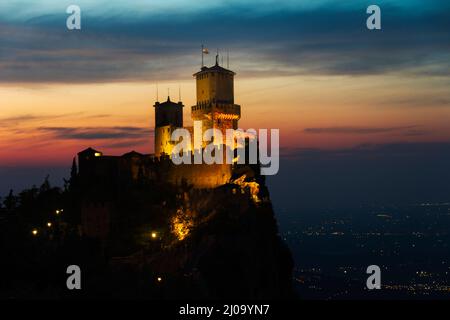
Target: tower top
{"points": [[168, 103], [216, 68]]}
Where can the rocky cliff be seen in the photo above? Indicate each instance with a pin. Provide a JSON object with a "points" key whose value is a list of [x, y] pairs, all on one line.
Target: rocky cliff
{"points": [[216, 243]]}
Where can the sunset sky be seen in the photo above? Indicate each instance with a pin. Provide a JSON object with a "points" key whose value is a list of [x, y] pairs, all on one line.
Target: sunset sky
{"points": [[309, 68]]}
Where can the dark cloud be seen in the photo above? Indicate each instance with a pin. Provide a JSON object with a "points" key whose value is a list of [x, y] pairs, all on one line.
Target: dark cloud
{"points": [[278, 42], [25, 118], [355, 130], [94, 133], [126, 143], [437, 100], [15, 120], [417, 132], [20, 118]]}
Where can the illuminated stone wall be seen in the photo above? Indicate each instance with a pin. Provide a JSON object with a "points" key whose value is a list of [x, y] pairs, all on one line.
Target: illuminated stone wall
{"points": [[215, 86], [163, 143], [199, 175]]}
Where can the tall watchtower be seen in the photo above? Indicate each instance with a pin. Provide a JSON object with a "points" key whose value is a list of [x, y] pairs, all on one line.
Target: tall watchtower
{"points": [[168, 117], [215, 99]]}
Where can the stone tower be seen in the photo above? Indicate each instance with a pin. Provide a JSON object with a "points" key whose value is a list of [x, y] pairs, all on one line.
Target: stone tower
{"points": [[168, 117], [215, 99]]}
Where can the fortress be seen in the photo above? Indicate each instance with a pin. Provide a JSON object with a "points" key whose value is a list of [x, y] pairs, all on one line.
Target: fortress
{"points": [[106, 181], [216, 109]]}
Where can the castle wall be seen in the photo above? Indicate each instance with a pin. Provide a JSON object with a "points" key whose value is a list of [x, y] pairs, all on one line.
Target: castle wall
{"points": [[199, 175], [163, 143], [95, 219], [102, 175]]}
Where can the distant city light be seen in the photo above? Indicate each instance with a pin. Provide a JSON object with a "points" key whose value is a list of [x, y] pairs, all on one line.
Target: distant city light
{"points": [[49, 224], [154, 235], [57, 211], [159, 279], [34, 232]]}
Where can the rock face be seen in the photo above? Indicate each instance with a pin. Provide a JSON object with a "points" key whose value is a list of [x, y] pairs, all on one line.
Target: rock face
{"points": [[233, 251], [162, 240]]}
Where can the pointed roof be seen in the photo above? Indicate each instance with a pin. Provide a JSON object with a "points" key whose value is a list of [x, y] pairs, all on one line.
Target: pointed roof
{"points": [[168, 103], [214, 68], [89, 151]]}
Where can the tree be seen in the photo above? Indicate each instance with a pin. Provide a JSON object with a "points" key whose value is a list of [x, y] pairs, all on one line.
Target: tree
{"points": [[45, 185], [74, 170], [72, 183], [10, 202]]}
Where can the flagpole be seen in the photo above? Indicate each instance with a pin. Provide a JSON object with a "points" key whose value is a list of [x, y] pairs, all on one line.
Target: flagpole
{"points": [[202, 56]]}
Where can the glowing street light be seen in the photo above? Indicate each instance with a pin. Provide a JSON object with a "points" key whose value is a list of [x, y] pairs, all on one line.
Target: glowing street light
{"points": [[154, 235], [57, 212], [49, 224], [159, 279], [34, 232]]}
